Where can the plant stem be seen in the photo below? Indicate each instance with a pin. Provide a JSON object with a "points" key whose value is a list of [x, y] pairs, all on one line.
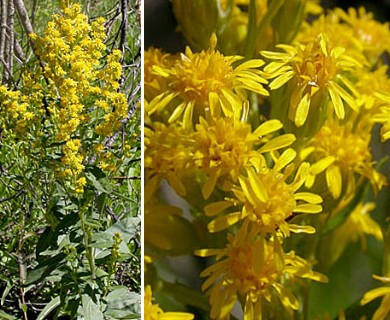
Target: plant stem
{"points": [[89, 252]]}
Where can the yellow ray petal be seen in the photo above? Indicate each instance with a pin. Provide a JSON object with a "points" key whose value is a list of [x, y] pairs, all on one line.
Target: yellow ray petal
{"points": [[216, 208], [286, 157], [375, 293], [268, 127], [257, 186], [301, 229], [308, 208], [308, 197], [224, 222], [278, 142], [334, 181], [281, 80], [302, 110], [337, 102], [321, 165]]}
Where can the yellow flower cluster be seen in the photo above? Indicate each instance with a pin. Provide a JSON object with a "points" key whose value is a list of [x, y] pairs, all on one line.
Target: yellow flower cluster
{"points": [[71, 95], [72, 159], [214, 148], [261, 150]]}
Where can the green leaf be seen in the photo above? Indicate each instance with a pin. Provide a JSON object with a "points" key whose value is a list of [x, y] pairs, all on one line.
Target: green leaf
{"points": [[45, 268], [54, 303], [101, 184], [101, 201], [186, 296], [102, 240], [6, 289], [123, 304], [90, 310], [128, 228], [95, 224], [6, 316]]}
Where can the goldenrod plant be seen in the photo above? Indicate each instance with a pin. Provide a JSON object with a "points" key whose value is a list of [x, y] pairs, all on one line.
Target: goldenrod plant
{"points": [[265, 192], [70, 156]]}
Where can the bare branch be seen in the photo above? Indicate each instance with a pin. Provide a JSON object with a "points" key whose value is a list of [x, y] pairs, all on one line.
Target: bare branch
{"points": [[9, 45], [3, 21], [19, 51], [23, 16]]}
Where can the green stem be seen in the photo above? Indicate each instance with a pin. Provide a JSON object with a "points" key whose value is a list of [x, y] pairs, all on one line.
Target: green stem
{"points": [[89, 252], [254, 31], [386, 256]]}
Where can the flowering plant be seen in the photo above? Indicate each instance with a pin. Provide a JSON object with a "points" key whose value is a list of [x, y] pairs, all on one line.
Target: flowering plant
{"points": [[70, 168], [259, 163]]}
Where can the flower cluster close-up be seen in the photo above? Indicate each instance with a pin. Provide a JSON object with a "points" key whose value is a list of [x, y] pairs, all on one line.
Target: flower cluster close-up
{"points": [[266, 163]]}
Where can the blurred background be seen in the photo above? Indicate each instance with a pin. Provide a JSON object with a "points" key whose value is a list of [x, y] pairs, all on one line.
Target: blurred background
{"points": [[160, 24]]}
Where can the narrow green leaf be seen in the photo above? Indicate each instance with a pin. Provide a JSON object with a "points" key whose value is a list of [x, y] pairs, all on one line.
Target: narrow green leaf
{"points": [[49, 308], [6, 316]]}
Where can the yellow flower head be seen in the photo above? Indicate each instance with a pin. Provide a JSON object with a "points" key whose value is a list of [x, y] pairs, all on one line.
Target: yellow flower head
{"points": [[255, 270], [346, 154], [73, 159], [310, 70], [80, 183], [357, 227], [337, 33], [373, 35], [207, 82], [154, 312], [373, 86], [155, 59], [225, 146], [267, 200], [168, 154]]}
